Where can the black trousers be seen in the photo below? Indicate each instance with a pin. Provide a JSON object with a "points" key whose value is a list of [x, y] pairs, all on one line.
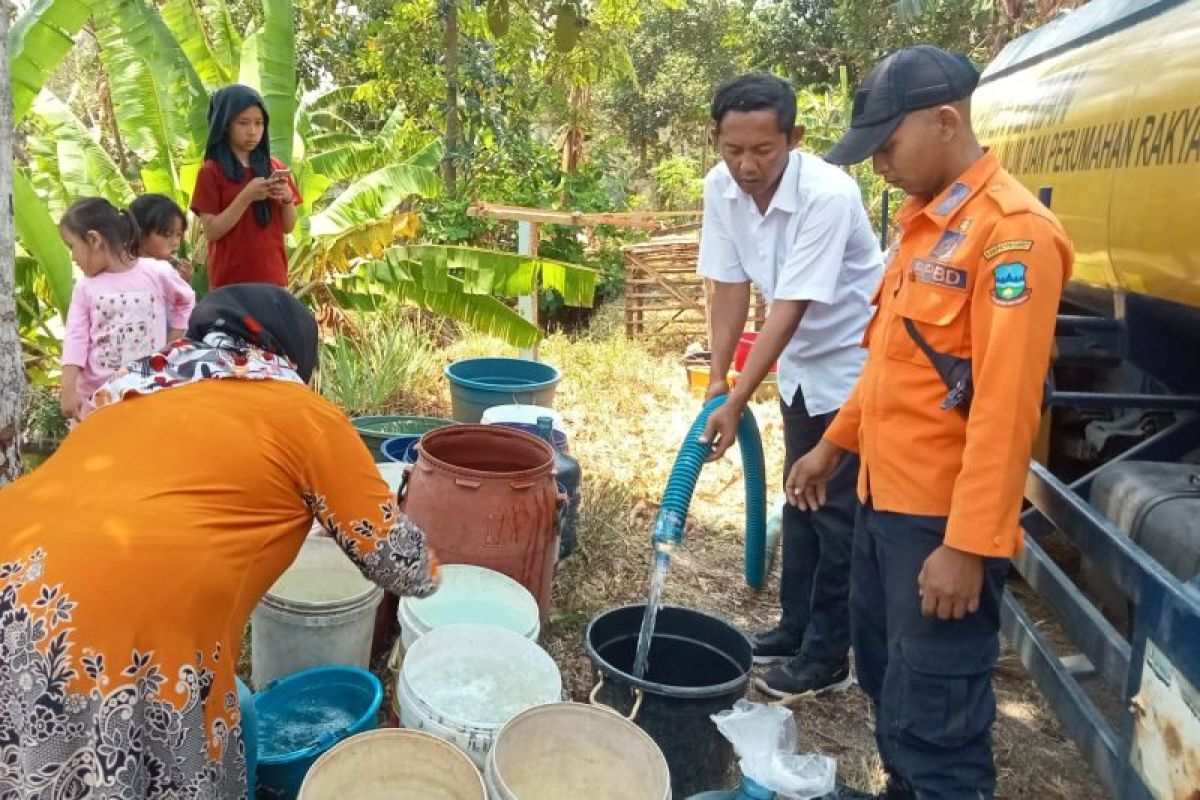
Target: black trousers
{"points": [[815, 581], [929, 679]]}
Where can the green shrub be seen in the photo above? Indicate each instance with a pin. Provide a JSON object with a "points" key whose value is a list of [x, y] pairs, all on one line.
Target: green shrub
{"points": [[389, 366]]}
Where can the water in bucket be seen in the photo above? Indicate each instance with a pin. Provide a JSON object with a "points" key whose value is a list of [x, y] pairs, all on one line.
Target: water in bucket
{"points": [[302, 724]]}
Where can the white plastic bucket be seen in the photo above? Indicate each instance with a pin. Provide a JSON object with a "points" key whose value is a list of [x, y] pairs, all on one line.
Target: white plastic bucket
{"points": [[568, 750], [393, 764], [470, 595], [522, 413], [321, 612], [393, 475], [462, 683]]}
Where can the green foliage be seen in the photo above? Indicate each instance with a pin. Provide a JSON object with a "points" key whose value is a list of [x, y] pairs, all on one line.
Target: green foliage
{"points": [[376, 281], [79, 163], [37, 42], [808, 40], [43, 417], [277, 70], [678, 185], [39, 236], [389, 364], [187, 23], [680, 54]]}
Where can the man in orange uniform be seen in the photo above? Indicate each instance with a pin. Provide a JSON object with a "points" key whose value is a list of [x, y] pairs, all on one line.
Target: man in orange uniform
{"points": [[943, 419]]}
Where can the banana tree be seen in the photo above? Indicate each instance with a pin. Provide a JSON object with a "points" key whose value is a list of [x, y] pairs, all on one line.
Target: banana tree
{"points": [[161, 66]]}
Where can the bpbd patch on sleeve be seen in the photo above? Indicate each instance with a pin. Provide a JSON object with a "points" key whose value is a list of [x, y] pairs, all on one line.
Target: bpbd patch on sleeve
{"points": [[1010, 288], [935, 273], [1008, 247]]}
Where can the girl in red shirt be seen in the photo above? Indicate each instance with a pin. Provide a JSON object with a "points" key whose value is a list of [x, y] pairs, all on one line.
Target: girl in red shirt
{"points": [[245, 199]]}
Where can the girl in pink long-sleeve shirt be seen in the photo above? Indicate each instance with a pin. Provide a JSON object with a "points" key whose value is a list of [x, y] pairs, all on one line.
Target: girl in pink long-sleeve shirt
{"points": [[123, 309]]}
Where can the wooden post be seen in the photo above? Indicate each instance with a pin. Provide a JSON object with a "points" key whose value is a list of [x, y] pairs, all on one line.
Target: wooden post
{"points": [[527, 305]]}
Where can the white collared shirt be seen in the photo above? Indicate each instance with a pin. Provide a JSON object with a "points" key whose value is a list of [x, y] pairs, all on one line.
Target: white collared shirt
{"points": [[815, 243]]}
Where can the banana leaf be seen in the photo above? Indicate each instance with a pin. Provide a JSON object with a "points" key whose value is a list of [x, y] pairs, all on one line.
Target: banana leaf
{"points": [[151, 40], [37, 42], [373, 196], [84, 167], [42, 164], [429, 156], [335, 253], [186, 21], [327, 100], [320, 142], [277, 74], [248, 71], [39, 237], [330, 122], [436, 292], [146, 112], [508, 274], [349, 161], [226, 40]]}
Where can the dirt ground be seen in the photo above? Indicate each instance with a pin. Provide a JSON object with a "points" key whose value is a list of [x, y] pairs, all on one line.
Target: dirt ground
{"points": [[628, 411]]}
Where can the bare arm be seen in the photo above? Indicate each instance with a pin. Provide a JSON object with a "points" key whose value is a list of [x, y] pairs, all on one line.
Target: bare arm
{"points": [[217, 225], [731, 304], [782, 321], [68, 393], [289, 216]]}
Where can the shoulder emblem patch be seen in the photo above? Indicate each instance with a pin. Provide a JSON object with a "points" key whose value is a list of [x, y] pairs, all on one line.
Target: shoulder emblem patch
{"points": [[936, 273], [954, 197], [1008, 247], [1010, 288], [945, 247]]}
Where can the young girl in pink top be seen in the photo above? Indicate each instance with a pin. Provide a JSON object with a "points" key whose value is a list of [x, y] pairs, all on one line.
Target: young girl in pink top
{"points": [[123, 309]]}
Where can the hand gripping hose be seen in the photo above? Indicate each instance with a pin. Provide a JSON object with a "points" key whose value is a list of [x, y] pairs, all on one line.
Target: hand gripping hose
{"points": [[672, 514]]}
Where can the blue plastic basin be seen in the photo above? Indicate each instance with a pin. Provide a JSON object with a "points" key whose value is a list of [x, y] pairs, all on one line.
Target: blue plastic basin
{"points": [[401, 449], [303, 715], [477, 384]]}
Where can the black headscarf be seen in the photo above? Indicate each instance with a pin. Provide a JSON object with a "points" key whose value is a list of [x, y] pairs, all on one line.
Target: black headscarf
{"points": [[223, 108], [263, 315]]}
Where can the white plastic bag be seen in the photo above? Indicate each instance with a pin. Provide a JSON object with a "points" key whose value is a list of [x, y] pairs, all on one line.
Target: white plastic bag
{"points": [[764, 738]]}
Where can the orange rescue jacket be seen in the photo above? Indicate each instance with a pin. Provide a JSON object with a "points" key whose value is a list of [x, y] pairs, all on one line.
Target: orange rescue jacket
{"points": [[979, 270]]}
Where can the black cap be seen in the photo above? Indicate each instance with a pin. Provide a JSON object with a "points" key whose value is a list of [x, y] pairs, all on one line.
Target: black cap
{"points": [[910, 79]]}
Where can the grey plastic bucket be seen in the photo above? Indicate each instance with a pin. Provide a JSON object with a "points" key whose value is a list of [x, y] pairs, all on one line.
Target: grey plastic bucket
{"points": [[320, 613]]}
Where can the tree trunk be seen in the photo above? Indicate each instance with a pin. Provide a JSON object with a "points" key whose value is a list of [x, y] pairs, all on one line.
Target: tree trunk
{"points": [[12, 372], [453, 133]]}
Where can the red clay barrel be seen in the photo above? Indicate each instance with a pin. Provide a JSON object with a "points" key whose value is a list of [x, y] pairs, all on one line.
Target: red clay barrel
{"points": [[485, 495]]}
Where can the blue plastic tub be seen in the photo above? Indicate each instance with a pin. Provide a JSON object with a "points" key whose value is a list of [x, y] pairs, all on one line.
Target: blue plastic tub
{"points": [[477, 384], [303, 715], [401, 449], [249, 735]]}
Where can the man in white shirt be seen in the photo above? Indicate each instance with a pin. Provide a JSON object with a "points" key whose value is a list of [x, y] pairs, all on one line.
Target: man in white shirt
{"points": [[794, 226]]}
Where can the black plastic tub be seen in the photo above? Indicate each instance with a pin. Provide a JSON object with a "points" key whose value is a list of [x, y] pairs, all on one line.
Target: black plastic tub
{"points": [[699, 665]]}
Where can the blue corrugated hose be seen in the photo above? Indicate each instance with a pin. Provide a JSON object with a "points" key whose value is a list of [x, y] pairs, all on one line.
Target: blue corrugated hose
{"points": [[668, 528]]}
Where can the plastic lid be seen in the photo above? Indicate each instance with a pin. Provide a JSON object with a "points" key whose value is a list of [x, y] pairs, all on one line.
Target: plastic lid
{"points": [[322, 576], [471, 594], [525, 414]]}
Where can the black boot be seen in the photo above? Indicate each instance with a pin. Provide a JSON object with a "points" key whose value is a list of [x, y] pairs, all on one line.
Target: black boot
{"points": [[801, 675], [775, 645]]}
